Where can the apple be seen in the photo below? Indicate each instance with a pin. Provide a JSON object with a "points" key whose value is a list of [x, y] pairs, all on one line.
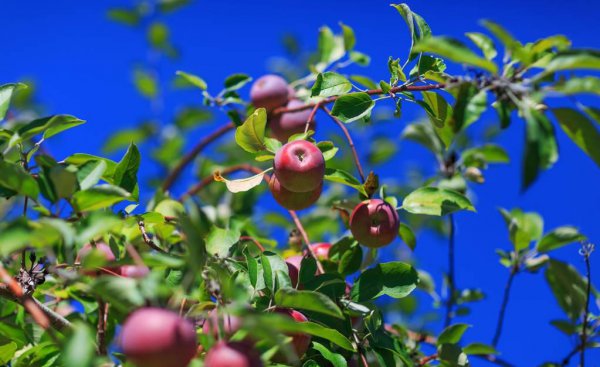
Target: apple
{"points": [[321, 250], [134, 271], [293, 200], [287, 124], [300, 342], [155, 337], [231, 324], [104, 251], [293, 264], [299, 166], [374, 223], [269, 91], [232, 354]]}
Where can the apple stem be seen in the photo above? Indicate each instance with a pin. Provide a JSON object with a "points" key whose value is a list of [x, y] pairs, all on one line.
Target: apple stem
{"points": [[302, 231], [350, 142]]}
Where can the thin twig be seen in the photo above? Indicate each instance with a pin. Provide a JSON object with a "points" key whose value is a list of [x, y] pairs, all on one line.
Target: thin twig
{"points": [[147, 238], [311, 116], [302, 231], [513, 272], [451, 280], [350, 142], [101, 328], [586, 251], [427, 359], [189, 157]]}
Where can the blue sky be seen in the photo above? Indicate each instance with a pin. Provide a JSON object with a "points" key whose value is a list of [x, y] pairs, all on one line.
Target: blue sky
{"points": [[81, 64]]}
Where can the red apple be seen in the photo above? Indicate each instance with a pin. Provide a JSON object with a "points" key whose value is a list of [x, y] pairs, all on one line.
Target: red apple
{"points": [[230, 324], [269, 91], [374, 223], [232, 354], [287, 124], [134, 271], [105, 252], [299, 166], [300, 342], [154, 337], [293, 200], [321, 250]]}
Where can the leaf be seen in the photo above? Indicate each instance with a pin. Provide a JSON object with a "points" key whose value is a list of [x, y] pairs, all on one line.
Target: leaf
{"points": [[64, 181], [79, 349], [469, 106], [145, 82], [192, 79], [90, 173], [586, 84], [307, 300], [6, 93], [330, 84], [48, 126], [407, 14], [275, 271], [559, 237], [541, 148], [236, 81], [7, 352], [407, 236], [125, 137], [337, 360], [440, 114], [568, 287], [366, 81], [395, 279], [523, 227], [219, 241], [353, 106], [125, 175], [435, 201], [242, 184], [99, 197], [485, 44], [122, 293], [349, 39], [124, 16], [573, 60], [482, 155], [343, 177], [250, 136], [513, 47], [581, 130], [13, 177], [326, 45], [455, 51], [424, 135], [479, 349], [452, 334], [452, 355]]}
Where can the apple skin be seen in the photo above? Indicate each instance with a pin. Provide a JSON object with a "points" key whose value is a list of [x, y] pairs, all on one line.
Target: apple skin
{"points": [[299, 166], [107, 253], [269, 91], [231, 324], [321, 250], [300, 342], [374, 223], [232, 354], [287, 124], [293, 264], [134, 271], [154, 337], [293, 200]]}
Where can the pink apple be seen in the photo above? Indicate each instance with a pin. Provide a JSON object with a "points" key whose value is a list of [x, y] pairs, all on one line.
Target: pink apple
{"points": [[374, 223], [269, 91], [299, 166], [287, 124], [293, 200]]}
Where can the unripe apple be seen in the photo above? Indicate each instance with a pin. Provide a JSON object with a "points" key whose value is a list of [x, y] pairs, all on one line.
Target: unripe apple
{"points": [[299, 166], [300, 342], [154, 337], [321, 250], [232, 354], [287, 124], [374, 223], [105, 252], [293, 263], [269, 91], [134, 271], [293, 200], [231, 324]]}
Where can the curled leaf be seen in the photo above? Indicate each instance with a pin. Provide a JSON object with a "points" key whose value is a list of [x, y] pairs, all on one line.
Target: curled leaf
{"points": [[242, 184]]}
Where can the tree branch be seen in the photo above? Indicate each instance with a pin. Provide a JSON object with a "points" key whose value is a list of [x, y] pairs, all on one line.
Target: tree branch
{"points": [[302, 231], [451, 280], [189, 157], [350, 142], [514, 270], [147, 238]]}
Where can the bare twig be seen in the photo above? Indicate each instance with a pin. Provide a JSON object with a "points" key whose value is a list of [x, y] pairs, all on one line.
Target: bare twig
{"points": [[451, 278], [309, 249], [513, 272], [427, 359], [101, 329], [147, 238], [586, 251]]}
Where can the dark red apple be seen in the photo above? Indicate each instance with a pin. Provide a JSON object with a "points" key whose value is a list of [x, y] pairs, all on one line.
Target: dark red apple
{"points": [[287, 124], [134, 271], [230, 324], [300, 342], [293, 200], [321, 250], [232, 354], [154, 337], [299, 166], [269, 91], [374, 223]]}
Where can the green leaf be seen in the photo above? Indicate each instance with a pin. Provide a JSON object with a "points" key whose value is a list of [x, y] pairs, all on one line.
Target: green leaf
{"points": [[330, 84], [219, 241], [513, 47], [541, 148], [64, 181], [479, 349], [192, 79], [559, 237], [407, 14], [13, 177], [435, 201], [568, 287], [79, 349], [455, 51], [581, 130], [585, 84], [326, 45], [236, 81], [343, 177], [483, 155], [124, 16], [407, 236], [452, 355], [250, 136], [122, 293], [337, 360], [424, 135], [145, 82], [395, 279], [574, 60], [275, 271], [99, 197], [452, 334], [158, 35], [6, 93], [353, 106], [469, 106], [440, 114], [48, 126], [7, 352], [365, 81], [349, 39], [523, 227], [81, 159], [307, 300], [485, 44], [90, 173], [125, 175], [123, 138]]}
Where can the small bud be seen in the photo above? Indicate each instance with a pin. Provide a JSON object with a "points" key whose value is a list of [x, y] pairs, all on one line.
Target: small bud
{"points": [[371, 185], [474, 174]]}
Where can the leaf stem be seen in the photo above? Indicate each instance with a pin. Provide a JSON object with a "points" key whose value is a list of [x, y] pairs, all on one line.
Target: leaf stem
{"points": [[513, 272], [451, 277]]}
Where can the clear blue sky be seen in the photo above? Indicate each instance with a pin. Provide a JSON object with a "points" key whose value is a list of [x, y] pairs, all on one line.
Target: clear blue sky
{"points": [[82, 63]]}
